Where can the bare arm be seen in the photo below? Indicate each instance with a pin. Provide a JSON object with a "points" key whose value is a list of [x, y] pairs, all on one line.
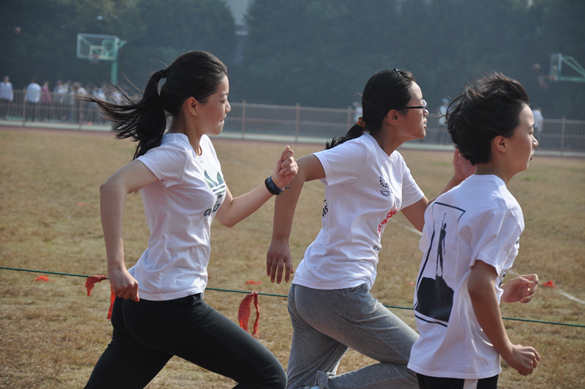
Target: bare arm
{"points": [[129, 178], [234, 210], [482, 291], [415, 213], [278, 258]]}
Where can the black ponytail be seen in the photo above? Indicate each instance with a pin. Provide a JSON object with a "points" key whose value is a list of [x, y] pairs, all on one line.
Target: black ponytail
{"points": [[194, 74], [386, 90], [354, 132]]}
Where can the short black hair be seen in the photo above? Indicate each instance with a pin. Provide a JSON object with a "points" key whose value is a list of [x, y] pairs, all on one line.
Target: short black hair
{"points": [[485, 108]]}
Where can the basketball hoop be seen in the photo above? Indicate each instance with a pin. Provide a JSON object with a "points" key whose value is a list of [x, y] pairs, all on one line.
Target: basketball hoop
{"points": [[94, 59]]}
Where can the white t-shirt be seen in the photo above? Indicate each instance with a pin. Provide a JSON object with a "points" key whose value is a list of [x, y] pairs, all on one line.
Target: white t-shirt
{"points": [[364, 187], [179, 210], [6, 91], [477, 220], [33, 93]]}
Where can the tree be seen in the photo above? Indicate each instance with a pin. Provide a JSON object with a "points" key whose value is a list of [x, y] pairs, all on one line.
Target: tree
{"points": [[317, 53], [171, 29]]}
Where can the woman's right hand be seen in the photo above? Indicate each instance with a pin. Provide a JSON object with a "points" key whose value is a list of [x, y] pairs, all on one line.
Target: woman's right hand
{"points": [[278, 260], [123, 284], [128, 179]]}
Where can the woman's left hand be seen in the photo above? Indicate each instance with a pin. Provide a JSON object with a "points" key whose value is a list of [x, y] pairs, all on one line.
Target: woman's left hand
{"points": [[286, 168]]}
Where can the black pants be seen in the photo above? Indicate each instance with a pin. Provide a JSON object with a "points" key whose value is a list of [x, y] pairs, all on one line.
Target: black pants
{"points": [[148, 333], [4, 107], [426, 382], [31, 110]]}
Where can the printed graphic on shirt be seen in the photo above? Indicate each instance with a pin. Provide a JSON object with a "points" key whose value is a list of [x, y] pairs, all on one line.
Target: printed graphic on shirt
{"points": [[434, 296], [386, 188], [392, 212], [218, 187], [325, 209]]}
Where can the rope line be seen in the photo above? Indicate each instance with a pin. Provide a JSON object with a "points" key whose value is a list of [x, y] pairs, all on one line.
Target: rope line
{"points": [[285, 296]]}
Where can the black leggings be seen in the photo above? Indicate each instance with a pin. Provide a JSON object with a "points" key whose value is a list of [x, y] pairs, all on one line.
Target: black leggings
{"points": [[148, 333]]}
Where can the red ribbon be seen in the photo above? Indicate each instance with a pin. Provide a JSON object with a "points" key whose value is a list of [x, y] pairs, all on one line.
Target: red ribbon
{"points": [[112, 299], [244, 313], [549, 284], [91, 281]]}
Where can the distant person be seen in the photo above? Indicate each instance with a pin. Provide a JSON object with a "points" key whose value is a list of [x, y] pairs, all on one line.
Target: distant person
{"points": [[442, 110], [81, 107], [358, 111], [366, 183], [63, 96], [6, 97], [46, 102], [538, 121], [32, 99], [57, 86], [469, 243], [57, 102], [159, 311]]}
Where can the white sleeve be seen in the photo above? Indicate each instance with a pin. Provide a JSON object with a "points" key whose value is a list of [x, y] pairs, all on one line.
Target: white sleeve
{"points": [[166, 163], [343, 163], [496, 238], [411, 193]]}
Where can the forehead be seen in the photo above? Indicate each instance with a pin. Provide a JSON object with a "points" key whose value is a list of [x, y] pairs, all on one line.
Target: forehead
{"points": [[526, 117], [525, 121], [415, 91], [223, 87]]}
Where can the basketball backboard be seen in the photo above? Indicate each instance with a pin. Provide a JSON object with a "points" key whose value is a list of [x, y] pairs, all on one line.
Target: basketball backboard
{"points": [[557, 73], [556, 70], [96, 47]]}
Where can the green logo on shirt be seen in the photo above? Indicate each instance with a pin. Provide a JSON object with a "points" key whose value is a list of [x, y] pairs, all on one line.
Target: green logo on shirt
{"points": [[218, 189]]}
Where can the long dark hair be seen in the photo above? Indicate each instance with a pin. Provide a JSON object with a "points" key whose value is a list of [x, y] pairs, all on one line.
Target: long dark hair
{"points": [[386, 90], [484, 109], [194, 74]]}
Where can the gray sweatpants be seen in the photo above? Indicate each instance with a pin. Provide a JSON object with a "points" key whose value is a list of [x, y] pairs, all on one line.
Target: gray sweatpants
{"points": [[328, 322]]}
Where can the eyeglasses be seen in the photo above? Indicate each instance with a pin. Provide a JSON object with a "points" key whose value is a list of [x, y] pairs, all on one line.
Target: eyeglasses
{"points": [[424, 106]]}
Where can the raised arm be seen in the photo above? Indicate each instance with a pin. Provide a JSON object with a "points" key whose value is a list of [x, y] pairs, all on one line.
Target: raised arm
{"points": [[278, 258], [520, 289], [234, 210], [129, 178], [462, 169]]}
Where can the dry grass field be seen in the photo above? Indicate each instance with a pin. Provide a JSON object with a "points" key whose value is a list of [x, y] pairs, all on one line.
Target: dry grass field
{"points": [[52, 333]]}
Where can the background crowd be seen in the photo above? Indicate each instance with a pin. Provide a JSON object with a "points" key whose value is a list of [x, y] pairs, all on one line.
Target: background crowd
{"points": [[59, 103]]}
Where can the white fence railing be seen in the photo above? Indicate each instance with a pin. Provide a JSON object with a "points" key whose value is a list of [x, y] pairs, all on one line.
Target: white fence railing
{"points": [[288, 121]]}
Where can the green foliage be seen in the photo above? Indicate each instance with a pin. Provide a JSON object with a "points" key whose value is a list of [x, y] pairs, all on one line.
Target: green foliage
{"points": [[155, 31], [168, 31], [312, 52]]}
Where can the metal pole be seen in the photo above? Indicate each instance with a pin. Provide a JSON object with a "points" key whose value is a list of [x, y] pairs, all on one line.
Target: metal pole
{"points": [[349, 109], [243, 118], [297, 117], [114, 76], [114, 72], [23, 109], [563, 136], [79, 114]]}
